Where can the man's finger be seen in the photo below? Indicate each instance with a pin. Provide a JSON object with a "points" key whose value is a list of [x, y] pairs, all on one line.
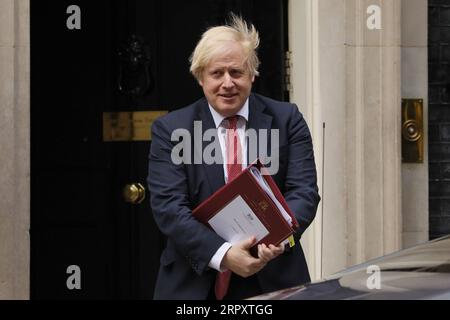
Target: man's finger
{"points": [[263, 255], [260, 253], [276, 249], [247, 244]]}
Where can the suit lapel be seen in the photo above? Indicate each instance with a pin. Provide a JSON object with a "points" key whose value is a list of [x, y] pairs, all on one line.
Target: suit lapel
{"points": [[214, 172], [261, 123]]}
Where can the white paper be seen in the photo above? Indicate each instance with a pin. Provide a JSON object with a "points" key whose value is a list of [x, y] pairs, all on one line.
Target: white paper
{"points": [[237, 221]]}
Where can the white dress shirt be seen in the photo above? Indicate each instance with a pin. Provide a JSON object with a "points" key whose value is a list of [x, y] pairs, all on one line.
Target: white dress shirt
{"points": [[219, 120]]}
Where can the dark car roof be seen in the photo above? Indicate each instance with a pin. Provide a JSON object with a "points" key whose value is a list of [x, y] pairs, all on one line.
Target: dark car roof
{"points": [[420, 272]]}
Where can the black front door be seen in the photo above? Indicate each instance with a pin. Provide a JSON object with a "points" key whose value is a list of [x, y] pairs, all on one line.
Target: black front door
{"points": [[92, 64]]}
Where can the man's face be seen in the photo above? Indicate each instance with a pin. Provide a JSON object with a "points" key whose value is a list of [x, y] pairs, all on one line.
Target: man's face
{"points": [[226, 82]]}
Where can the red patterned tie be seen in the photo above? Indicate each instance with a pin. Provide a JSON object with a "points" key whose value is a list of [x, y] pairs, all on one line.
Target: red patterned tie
{"points": [[234, 167]]}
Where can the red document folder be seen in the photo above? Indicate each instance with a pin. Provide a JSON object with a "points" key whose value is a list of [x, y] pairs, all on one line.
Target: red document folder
{"points": [[264, 208]]}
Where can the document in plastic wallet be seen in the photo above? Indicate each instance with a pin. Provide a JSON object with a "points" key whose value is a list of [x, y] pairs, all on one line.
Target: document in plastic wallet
{"points": [[249, 205]]}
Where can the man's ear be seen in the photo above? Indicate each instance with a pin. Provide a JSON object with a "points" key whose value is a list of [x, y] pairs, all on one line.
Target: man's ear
{"points": [[253, 78], [200, 79]]}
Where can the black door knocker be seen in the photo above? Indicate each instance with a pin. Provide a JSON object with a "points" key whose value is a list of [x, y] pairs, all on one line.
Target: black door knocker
{"points": [[134, 74]]}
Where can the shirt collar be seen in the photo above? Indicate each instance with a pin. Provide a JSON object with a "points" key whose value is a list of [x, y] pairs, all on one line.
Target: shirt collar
{"points": [[218, 118]]}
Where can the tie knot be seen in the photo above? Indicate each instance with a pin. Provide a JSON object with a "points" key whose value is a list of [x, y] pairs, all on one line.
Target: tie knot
{"points": [[232, 122]]}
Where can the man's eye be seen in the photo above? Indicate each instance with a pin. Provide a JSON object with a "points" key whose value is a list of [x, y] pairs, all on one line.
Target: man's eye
{"points": [[236, 73]]}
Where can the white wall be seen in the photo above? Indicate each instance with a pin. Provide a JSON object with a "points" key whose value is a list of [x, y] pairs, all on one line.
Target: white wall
{"points": [[318, 78], [15, 151], [348, 77]]}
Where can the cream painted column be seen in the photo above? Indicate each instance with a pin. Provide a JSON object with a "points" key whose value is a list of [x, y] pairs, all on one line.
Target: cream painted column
{"points": [[415, 85], [373, 145], [332, 59], [15, 149], [305, 78], [348, 77]]}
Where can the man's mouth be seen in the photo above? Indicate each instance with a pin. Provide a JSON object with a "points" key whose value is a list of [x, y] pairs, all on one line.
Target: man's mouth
{"points": [[229, 96]]}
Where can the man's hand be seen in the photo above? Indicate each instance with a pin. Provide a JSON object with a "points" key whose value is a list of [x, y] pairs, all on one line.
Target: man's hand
{"points": [[268, 253], [239, 260]]}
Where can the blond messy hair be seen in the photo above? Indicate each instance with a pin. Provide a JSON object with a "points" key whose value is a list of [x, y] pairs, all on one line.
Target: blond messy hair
{"points": [[216, 39]]}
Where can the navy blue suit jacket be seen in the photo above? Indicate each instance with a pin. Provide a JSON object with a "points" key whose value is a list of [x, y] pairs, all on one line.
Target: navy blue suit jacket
{"points": [[177, 189]]}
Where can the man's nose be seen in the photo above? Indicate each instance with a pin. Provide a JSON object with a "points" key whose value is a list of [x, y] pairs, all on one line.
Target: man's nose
{"points": [[227, 81]]}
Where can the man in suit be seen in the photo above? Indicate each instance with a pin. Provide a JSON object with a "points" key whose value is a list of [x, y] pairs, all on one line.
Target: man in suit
{"points": [[196, 261]]}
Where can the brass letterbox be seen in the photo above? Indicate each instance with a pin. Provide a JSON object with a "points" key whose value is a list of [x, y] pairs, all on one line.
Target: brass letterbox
{"points": [[412, 130], [129, 126]]}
